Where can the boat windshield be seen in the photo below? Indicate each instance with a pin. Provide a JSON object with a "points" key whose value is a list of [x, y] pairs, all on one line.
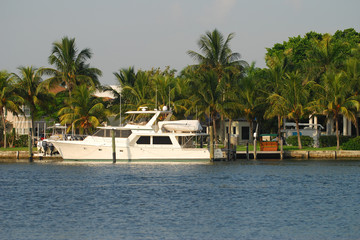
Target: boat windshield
{"points": [[139, 119]]}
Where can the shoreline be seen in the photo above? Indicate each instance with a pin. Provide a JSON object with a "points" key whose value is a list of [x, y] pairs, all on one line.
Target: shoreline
{"points": [[23, 156], [303, 155]]}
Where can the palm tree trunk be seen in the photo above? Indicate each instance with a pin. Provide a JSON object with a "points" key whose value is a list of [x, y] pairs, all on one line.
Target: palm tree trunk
{"points": [[4, 125], [356, 126], [222, 129], [230, 122], [32, 127], [337, 133], [279, 129], [214, 126], [298, 133]]}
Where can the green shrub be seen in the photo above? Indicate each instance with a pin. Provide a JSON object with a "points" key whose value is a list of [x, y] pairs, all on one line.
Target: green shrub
{"points": [[330, 141], [21, 141], [352, 144], [306, 141]]}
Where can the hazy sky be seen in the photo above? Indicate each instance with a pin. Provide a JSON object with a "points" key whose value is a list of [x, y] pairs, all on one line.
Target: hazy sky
{"points": [[157, 33]]}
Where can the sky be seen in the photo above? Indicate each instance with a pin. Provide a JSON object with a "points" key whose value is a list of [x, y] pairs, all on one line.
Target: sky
{"points": [[157, 33]]}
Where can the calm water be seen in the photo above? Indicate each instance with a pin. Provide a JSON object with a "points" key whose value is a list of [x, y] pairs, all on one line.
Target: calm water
{"points": [[248, 200]]}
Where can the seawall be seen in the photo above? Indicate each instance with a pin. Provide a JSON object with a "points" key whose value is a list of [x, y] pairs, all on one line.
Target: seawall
{"points": [[341, 154], [23, 156], [302, 155]]}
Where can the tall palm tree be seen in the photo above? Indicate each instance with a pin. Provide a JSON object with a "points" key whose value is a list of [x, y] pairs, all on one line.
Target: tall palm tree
{"points": [[70, 64], [232, 106], [126, 76], [293, 99], [250, 97], [165, 89], [207, 97], [141, 93], [9, 100], [83, 110], [30, 88], [216, 53], [352, 74], [335, 98], [278, 67]]}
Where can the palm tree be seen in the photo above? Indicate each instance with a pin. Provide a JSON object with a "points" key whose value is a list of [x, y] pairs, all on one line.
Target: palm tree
{"points": [[83, 110], [165, 89], [141, 93], [352, 74], [9, 100], [71, 68], [292, 99], [207, 96], [278, 65], [126, 76], [249, 94], [232, 106], [216, 54], [30, 88], [335, 98]]}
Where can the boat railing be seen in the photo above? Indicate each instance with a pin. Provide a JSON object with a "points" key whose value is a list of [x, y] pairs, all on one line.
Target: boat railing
{"points": [[66, 137]]}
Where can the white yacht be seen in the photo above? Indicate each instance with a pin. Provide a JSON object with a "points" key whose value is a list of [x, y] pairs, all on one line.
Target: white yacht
{"points": [[148, 136]]}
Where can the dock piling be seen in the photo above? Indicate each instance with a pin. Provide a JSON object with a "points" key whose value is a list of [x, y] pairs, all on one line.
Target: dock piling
{"points": [[211, 143], [228, 147], [247, 151], [281, 149], [113, 145], [255, 148], [30, 145]]}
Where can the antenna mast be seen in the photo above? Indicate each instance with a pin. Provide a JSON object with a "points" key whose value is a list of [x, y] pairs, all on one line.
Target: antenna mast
{"points": [[156, 98], [169, 99], [120, 109]]}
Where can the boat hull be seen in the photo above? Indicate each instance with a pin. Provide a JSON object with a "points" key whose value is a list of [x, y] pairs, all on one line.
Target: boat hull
{"points": [[76, 151]]}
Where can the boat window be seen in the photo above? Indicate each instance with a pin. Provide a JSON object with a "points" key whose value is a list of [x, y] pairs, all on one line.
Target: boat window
{"points": [[162, 140], [143, 140], [107, 133], [123, 133]]}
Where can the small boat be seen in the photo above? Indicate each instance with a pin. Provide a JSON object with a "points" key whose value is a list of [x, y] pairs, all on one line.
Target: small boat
{"points": [[181, 126], [150, 135]]}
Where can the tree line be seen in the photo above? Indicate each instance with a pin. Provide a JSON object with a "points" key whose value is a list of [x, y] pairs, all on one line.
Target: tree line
{"points": [[314, 74]]}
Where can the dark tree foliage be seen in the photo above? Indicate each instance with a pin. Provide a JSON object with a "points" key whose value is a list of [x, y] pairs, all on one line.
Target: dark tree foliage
{"points": [[299, 49]]}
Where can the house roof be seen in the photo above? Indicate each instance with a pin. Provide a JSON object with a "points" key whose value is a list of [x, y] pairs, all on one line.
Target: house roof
{"points": [[107, 94]]}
